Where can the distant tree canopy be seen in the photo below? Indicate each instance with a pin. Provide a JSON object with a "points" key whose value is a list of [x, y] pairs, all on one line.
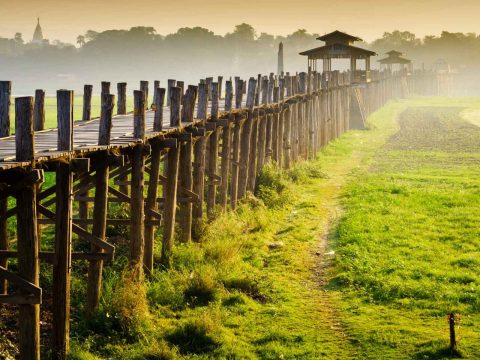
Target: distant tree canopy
{"points": [[192, 52]]}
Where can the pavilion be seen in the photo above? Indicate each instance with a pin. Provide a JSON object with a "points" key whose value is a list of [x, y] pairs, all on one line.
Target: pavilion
{"points": [[338, 45], [395, 58]]}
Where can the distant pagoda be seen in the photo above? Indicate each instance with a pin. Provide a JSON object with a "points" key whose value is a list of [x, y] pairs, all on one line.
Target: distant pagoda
{"points": [[395, 58], [38, 34]]}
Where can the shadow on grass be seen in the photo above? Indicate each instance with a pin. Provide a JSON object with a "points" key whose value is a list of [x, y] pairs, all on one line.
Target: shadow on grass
{"points": [[436, 350]]}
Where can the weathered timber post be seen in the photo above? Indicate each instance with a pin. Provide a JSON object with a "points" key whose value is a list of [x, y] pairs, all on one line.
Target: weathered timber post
{"points": [[209, 81], [220, 86], [185, 184], [105, 87], [39, 110], [252, 161], [170, 206], [137, 236], [275, 125], [100, 208], [175, 104], [269, 119], [287, 137], [171, 83], [171, 186], [159, 96], [213, 156], [87, 102], [236, 146], [122, 98], [27, 240], [152, 195], [199, 166], [226, 147], [156, 84], [5, 100], [62, 263], [262, 131], [245, 141], [144, 89]]}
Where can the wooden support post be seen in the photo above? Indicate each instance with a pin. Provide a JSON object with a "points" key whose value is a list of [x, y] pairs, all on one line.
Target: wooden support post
{"points": [[287, 137], [185, 183], [156, 84], [171, 83], [87, 102], [137, 239], [170, 206], [252, 161], [175, 104], [220, 86], [198, 185], [144, 89], [202, 102], [39, 110], [189, 101], [62, 264], [159, 96], [100, 208], [105, 87], [151, 204], [5, 100], [275, 126], [213, 156], [238, 93], [27, 241], [245, 140], [122, 98], [262, 132], [235, 163], [226, 148]]}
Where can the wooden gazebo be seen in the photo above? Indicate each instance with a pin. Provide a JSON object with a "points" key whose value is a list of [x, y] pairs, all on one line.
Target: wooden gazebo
{"points": [[395, 58], [338, 45]]}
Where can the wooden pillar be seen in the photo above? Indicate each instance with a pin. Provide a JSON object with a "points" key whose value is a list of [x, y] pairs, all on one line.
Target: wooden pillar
{"points": [[275, 126], [100, 208], [27, 241], [151, 204], [122, 98], [144, 89], [159, 96], [236, 145], [198, 186], [137, 236], [226, 147], [39, 110], [62, 263], [5, 100], [262, 129], [245, 141], [220, 86], [105, 87], [175, 104], [170, 207], [87, 102], [186, 172], [213, 156], [171, 83]]}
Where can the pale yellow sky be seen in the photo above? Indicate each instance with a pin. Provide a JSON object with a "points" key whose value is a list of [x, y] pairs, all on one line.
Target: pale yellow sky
{"points": [[65, 19]]}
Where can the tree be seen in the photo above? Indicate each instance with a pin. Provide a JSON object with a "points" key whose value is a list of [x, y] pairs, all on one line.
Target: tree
{"points": [[91, 35], [80, 40], [18, 38], [242, 33]]}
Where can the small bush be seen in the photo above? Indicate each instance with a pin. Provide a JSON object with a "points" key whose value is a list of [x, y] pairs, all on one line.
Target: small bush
{"points": [[195, 336], [201, 289], [272, 189]]}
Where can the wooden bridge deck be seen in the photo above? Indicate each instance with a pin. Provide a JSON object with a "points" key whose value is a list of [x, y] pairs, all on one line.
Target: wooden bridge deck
{"points": [[85, 138]]}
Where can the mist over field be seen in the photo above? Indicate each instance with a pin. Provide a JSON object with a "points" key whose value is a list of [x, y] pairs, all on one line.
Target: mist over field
{"points": [[192, 53]]}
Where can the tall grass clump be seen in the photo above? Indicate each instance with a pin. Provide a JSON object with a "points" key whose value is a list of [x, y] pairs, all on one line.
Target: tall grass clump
{"points": [[272, 188]]}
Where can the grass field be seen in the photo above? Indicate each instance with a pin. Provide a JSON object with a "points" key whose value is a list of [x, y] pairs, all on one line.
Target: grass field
{"points": [[360, 253]]}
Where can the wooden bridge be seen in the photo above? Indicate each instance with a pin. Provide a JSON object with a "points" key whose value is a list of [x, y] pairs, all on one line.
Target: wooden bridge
{"points": [[174, 164]]}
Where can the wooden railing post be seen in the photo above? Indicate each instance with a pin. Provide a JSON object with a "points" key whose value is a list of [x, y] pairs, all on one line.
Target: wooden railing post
{"points": [[226, 147], [27, 241], [137, 239], [122, 98], [245, 141], [105, 86], [144, 89], [100, 208], [159, 96], [5, 101], [213, 156], [62, 265], [170, 84], [262, 131], [87, 102], [175, 104], [39, 110]]}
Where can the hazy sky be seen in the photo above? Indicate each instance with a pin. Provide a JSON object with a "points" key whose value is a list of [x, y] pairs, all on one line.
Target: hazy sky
{"points": [[65, 19]]}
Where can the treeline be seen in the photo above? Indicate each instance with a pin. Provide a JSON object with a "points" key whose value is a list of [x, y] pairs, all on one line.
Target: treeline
{"points": [[191, 53]]}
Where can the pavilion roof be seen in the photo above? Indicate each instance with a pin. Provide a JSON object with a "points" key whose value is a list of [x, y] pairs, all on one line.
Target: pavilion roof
{"points": [[394, 60], [337, 51], [338, 35], [394, 53]]}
